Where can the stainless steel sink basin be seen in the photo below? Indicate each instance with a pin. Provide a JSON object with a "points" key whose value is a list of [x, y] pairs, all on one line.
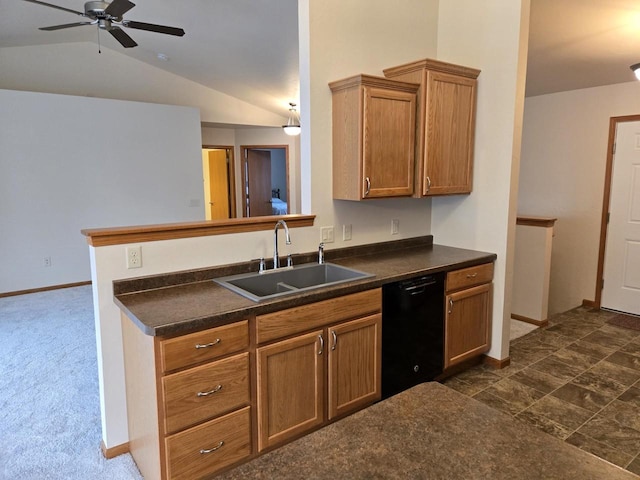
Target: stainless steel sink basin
{"points": [[285, 281]]}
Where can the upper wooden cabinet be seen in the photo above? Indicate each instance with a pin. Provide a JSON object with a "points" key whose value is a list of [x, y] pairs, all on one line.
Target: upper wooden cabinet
{"points": [[374, 122], [445, 124]]}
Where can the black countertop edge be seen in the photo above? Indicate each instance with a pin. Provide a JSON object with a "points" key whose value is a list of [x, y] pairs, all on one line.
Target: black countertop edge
{"points": [[152, 282]]}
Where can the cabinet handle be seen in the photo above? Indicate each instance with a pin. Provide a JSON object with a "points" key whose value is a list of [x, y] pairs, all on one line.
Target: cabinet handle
{"points": [[206, 394], [472, 275], [368, 188], [321, 344], [428, 183], [217, 447], [450, 305], [335, 339], [207, 345]]}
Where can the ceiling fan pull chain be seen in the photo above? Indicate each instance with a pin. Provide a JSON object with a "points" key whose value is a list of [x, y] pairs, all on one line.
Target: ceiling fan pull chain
{"points": [[99, 49]]}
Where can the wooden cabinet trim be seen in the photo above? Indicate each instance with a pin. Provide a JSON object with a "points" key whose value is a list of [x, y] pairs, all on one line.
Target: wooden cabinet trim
{"points": [[372, 81], [434, 65], [294, 320]]}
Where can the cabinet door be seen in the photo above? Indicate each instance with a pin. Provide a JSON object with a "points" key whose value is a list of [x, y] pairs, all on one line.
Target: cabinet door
{"points": [[388, 139], [354, 364], [467, 324], [450, 126], [290, 388]]}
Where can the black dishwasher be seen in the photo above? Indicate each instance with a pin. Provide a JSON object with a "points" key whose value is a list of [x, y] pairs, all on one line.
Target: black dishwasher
{"points": [[412, 332]]}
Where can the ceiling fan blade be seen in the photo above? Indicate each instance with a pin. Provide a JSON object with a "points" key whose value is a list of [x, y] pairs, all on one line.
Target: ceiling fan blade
{"points": [[120, 35], [117, 8], [66, 25], [153, 28], [56, 6]]}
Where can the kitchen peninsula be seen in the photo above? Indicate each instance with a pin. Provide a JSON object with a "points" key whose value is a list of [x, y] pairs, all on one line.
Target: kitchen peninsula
{"points": [[265, 373]]}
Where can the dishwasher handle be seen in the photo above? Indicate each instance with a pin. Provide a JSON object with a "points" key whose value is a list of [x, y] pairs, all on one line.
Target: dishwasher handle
{"points": [[418, 288]]}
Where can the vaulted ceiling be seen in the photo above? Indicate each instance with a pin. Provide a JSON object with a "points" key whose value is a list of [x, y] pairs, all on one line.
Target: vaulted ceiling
{"points": [[249, 48]]}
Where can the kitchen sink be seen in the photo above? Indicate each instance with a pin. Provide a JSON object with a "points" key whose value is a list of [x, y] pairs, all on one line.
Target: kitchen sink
{"points": [[285, 281]]}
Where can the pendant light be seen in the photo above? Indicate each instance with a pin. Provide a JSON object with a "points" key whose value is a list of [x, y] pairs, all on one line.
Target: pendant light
{"points": [[293, 125], [636, 69]]}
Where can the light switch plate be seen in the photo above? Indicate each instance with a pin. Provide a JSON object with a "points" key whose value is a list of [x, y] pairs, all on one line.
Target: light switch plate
{"points": [[326, 234], [346, 232], [395, 226]]}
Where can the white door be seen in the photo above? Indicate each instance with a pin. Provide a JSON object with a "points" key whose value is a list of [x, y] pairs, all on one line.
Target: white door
{"points": [[622, 252]]}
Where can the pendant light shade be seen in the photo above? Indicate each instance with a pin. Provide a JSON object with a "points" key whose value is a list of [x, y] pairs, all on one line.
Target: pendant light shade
{"points": [[636, 70], [293, 125]]}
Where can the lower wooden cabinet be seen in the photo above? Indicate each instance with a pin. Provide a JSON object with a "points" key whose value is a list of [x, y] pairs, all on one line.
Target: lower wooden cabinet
{"points": [[194, 420], [468, 307], [312, 378], [354, 359], [290, 388]]}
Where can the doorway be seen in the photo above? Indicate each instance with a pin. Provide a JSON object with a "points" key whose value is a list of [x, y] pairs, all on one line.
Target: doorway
{"points": [[619, 256], [219, 182], [265, 180]]}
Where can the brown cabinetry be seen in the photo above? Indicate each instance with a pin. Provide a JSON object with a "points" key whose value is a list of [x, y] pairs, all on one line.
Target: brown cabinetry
{"points": [[468, 313], [374, 123], [312, 378], [188, 400], [445, 124]]}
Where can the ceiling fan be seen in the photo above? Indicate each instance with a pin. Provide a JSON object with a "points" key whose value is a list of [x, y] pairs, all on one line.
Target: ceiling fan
{"points": [[107, 16]]}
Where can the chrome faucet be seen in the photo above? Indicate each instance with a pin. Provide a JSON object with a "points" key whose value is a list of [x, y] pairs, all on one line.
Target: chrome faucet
{"points": [[276, 258], [321, 253]]}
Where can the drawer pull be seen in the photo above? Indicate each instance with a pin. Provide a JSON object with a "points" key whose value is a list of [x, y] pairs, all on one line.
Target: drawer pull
{"points": [[472, 275], [211, 450], [206, 394], [207, 345]]}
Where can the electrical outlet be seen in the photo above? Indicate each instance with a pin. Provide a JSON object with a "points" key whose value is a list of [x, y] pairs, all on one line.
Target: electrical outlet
{"points": [[326, 234], [346, 232], [47, 261], [134, 257], [395, 226]]}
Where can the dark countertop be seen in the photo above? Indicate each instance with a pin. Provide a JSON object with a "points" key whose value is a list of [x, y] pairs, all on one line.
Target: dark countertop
{"points": [[429, 432], [196, 302]]}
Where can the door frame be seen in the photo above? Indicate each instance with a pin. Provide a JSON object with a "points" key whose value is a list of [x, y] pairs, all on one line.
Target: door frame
{"points": [[231, 174], [604, 220], [243, 156]]}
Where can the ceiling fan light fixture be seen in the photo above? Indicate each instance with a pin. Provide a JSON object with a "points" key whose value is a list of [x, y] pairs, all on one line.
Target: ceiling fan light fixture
{"points": [[292, 127], [636, 69]]}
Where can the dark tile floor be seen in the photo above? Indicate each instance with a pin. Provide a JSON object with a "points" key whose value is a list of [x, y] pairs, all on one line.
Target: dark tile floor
{"points": [[577, 379]]}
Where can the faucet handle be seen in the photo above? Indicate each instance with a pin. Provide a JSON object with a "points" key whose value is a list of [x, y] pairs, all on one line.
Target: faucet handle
{"points": [[262, 266], [321, 253], [289, 261]]}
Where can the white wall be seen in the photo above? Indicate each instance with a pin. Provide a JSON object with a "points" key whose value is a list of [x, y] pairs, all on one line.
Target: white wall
{"points": [[78, 69], [68, 163], [364, 36], [564, 152], [492, 36]]}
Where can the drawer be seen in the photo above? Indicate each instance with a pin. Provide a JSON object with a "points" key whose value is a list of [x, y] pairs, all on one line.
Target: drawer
{"points": [[198, 347], [203, 392], [469, 277], [316, 315], [203, 450]]}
